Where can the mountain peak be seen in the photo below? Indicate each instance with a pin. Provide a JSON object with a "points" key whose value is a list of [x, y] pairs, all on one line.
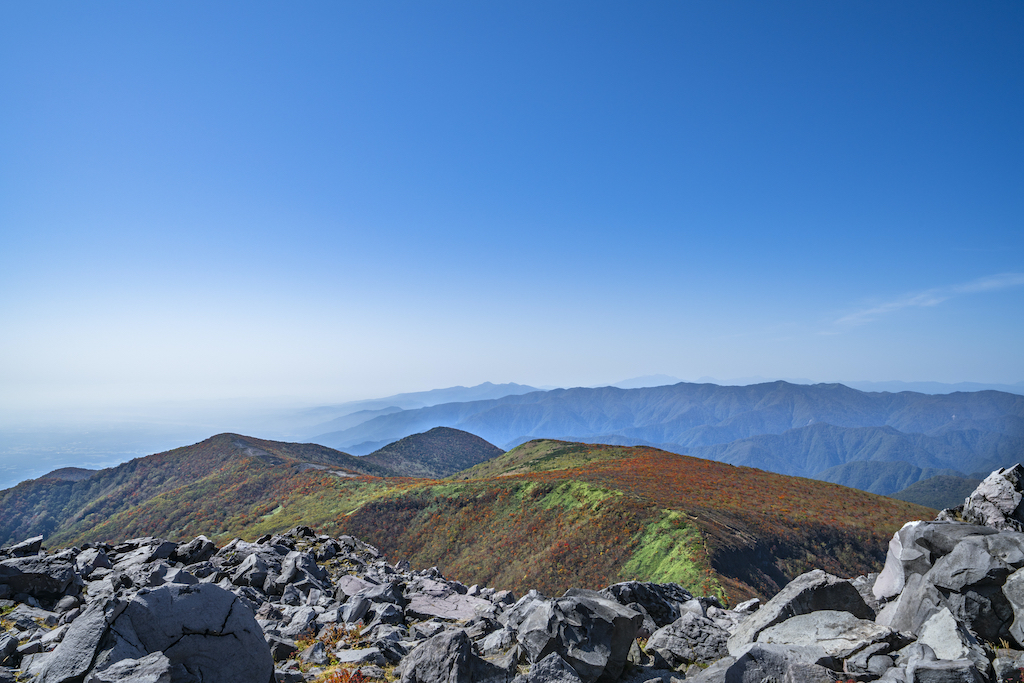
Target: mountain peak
{"points": [[436, 453]]}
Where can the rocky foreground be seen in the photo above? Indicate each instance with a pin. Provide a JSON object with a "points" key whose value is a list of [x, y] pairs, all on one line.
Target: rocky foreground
{"points": [[948, 606]]}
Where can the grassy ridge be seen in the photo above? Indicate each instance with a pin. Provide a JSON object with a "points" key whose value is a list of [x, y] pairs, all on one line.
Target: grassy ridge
{"points": [[547, 515], [534, 531]]}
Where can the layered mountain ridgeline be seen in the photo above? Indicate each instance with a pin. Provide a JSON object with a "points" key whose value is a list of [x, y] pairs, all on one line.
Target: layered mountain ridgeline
{"points": [[437, 453], [882, 477], [939, 492], [805, 430], [343, 416], [546, 515]]}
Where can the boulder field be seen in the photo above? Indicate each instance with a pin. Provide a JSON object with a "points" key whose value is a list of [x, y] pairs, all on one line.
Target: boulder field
{"points": [[947, 606]]}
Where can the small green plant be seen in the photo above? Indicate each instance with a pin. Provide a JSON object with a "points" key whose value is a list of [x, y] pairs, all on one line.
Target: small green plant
{"points": [[340, 675]]}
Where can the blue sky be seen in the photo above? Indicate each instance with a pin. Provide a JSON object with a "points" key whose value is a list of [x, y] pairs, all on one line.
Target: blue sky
{"points": [[332, 201]]}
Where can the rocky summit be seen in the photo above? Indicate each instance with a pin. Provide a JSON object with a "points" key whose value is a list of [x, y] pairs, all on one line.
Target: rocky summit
{"points": [[947, 606]]}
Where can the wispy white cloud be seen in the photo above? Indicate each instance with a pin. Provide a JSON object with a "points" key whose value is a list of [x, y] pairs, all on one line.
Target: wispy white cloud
{"points": [[929, 297]]}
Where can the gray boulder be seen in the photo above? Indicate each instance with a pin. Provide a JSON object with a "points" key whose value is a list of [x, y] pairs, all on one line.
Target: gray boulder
{"points": [[690, 639], [454, 607], [662, 601], [945, 671], [315, 655], [840, 634], [153, 668], [41, 576], [448, 658], [91, 559], [766, 663], [8, 645], [1013, 591], [141, 551], [251, 572], [914, 549], [30, 546], [816, 590], [996, 502], [955, 566], [199, 549], [515, 614], [302, 570], [551, 669], [355, 609], [361, 655], [918, 601], [204, 628], [950, 639], [74, 654], [589, 631]]}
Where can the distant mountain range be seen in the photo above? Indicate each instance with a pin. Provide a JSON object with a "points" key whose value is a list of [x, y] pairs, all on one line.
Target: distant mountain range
{"points": [[333, 416], [805, 430], [892, 386]]}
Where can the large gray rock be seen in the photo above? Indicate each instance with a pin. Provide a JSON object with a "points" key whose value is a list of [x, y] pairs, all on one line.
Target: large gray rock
{"points": [[515, 614], [918, 601], [252, 571], [840, 634], [957, 566], [199, 549], [454, 607], [302, 570], [589, 631], [766, 663], [950, 639], [551, 669], [41, 576], [27, 547], [448, 658], [816, 590], [204, 628], [138, 551], [914, 549], [91, 559], [971, 577], [1013, 590], [690, 639], [662, 601], [996, 502], [945, 671], [153, 668], [74, 654]]}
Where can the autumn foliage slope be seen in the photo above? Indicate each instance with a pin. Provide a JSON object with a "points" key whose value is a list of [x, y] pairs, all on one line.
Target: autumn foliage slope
{"points": [[548, 515]]}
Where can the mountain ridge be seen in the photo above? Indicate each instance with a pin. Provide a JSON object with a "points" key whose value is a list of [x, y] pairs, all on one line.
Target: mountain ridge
{"points": [[824, 426], [571, 514], [436, 453]]}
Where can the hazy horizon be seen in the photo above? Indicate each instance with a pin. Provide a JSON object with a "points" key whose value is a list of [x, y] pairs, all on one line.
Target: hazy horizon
{"points": [[34, 443]]}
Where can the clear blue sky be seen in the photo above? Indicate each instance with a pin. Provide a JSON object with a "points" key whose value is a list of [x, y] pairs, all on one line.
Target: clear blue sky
{"points": [[333, 200]]}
